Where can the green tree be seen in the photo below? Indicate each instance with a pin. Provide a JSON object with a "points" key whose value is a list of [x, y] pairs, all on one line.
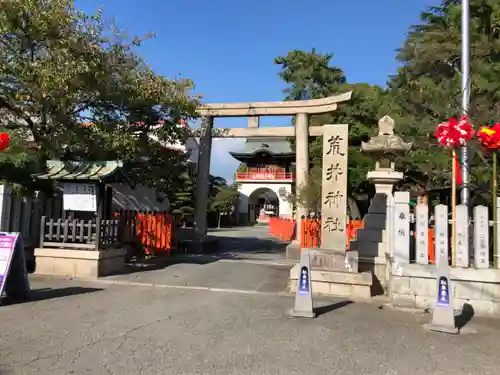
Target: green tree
{"points": [[310, 75], [216, 184], [182, 203], [224, 202], [62, 68], [427, 86]]}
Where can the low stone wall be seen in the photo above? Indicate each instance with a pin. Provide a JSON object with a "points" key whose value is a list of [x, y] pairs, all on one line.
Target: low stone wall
{"points": [[416, 287], [78, 263]]}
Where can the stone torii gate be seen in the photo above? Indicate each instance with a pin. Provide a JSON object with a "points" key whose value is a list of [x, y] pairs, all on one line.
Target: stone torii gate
{"points": [[301, 109]]}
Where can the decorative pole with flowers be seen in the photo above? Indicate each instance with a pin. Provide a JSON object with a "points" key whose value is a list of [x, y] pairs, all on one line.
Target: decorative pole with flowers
{"points": [[489, 138], [4, 141], [454, 134]]}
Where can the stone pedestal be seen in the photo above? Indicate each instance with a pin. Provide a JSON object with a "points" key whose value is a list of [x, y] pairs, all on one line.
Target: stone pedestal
{"points": [[336, 284], [79, 263], [335, 260], [376, 220], [372, 241], [335, 273]]}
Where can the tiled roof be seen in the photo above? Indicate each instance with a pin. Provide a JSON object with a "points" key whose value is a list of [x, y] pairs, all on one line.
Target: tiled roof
{"points": [[79, 171], [270, 145]]}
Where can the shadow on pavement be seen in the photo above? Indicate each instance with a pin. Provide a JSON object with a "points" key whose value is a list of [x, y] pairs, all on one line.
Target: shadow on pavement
{"points": [[250, 244], [228, 248], [161, 262], [50, 293], [320, 310], [465, 316]]}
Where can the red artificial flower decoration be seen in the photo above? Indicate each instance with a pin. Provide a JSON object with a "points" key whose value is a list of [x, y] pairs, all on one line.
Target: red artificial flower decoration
{"points": [[4, 141], [454, 133], [489, 137]]}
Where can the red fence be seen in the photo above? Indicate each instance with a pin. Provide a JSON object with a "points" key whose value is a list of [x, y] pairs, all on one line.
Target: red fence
{"points": [[154, 230], [282, 228], [310, 236]]}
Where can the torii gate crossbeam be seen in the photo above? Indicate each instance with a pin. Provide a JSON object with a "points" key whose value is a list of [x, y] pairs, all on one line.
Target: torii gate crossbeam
{"points": [[301, 109]]}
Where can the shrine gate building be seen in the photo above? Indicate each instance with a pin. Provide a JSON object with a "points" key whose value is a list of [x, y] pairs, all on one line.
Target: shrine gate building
{"points": [[267, 180]]}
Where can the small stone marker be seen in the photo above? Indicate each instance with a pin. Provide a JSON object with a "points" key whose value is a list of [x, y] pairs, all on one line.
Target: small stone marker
{"points": [[303, 298], [481, 237], [441, 233], [422, 233], [401, 228], [462, 236], [443, 318]]}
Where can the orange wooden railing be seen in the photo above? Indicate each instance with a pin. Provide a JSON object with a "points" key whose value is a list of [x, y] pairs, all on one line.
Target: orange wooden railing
{"points": [[431, 251], [154, 230], [310, 233], [310, 236], [351, 230]]}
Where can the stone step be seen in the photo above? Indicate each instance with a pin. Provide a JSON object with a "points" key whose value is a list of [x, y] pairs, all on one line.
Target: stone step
{"points": [[369, 249], [335, 283], [372, 235], [374, 221]]}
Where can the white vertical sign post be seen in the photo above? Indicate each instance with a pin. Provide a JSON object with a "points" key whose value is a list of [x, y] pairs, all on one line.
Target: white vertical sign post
{"points": [[390, 225], [422, 233], [401, 228], [441, 233], [481, 237], [462, 237]]}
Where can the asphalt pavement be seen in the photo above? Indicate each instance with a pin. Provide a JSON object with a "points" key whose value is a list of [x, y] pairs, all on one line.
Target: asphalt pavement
{"points": [[224, 316]]}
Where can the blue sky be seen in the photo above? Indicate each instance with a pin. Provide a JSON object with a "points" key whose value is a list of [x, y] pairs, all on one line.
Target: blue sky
{"points": [[227, 46]]}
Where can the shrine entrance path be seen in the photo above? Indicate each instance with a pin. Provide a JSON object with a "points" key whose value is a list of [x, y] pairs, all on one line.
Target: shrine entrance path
{"points": [[79, 328], [248, 261], [249, 243]]}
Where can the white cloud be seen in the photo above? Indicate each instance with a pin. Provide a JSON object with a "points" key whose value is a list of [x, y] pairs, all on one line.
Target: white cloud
{"points": [[222, 163]]}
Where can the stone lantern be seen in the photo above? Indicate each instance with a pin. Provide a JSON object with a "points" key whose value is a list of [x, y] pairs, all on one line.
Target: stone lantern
{"points": [[373, 240], [385, 148]]}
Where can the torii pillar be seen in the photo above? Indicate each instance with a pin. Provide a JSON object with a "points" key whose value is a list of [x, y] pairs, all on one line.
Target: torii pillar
{"points": [[301, 109]]}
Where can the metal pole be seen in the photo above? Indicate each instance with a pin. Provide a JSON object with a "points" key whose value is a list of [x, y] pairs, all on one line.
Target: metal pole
{"points": [[465, 95]]}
